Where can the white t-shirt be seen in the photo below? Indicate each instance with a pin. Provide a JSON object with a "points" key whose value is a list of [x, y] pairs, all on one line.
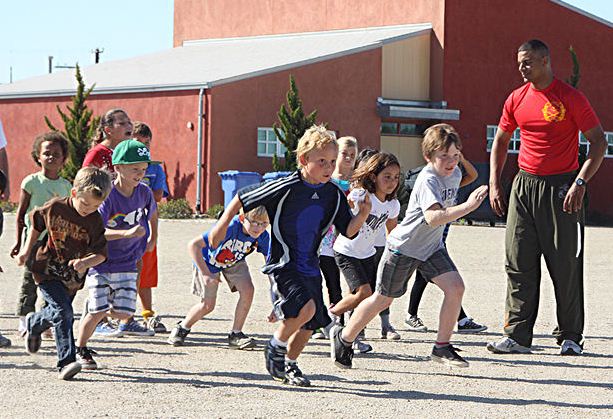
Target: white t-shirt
{"points": [[363, 245], [2, 137], [413, 236]]}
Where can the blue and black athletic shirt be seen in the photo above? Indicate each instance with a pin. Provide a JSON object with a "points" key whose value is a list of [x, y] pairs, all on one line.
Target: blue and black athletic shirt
{"points": [[300, 214]]}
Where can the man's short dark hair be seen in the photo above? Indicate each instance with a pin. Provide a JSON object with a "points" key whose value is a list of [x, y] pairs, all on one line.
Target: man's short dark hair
{"points": [[535, 45]]}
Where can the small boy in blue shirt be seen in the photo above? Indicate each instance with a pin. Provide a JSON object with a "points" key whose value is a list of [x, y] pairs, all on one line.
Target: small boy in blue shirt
{"points": [[245, 234], [302, 207]]}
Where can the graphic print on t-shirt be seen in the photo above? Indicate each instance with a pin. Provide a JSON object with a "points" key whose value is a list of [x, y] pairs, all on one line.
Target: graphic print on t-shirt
{"points": [[231, 252], [554, 111]]}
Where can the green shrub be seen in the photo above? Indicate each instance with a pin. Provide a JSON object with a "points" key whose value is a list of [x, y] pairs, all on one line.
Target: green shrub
{"points": [[175, 209], [215, 211], [7, 206]]}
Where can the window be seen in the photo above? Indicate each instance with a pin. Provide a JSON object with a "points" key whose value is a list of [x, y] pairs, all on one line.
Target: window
{"points": [[513, 144], [268, 144], [584, 145], [396, 128]]}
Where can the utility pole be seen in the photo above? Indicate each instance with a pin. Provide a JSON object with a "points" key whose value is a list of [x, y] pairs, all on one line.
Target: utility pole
{"points": [[97, 53], [11, 75], [50, 64]]}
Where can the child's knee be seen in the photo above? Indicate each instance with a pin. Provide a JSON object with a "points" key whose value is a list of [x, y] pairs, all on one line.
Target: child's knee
{"points": [[207, 305], [454, 286], [246, 289], [363, 292], [308, 310]]}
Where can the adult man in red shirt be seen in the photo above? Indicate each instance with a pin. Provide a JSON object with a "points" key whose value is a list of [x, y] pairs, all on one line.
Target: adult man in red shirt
{"points": [[544, 213]]}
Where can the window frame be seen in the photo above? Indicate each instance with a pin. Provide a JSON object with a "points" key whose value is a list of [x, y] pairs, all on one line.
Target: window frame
{"points": [[269, 134]]}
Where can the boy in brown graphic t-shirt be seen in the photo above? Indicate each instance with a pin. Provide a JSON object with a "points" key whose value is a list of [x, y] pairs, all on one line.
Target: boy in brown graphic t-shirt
{"points": [[75, 242]]}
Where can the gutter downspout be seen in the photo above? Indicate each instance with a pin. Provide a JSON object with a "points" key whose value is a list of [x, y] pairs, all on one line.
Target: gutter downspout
{"points": [[199, 165]]}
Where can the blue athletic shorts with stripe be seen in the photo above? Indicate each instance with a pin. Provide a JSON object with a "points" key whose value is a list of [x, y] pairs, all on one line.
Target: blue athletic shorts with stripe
{"points": [[111, 291]]}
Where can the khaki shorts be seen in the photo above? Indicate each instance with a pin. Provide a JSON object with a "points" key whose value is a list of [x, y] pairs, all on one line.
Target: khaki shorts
{"points": [[233, 275]]}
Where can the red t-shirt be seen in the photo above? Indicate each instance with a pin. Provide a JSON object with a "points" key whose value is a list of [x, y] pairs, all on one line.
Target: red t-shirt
{"points": [[549, 121], [99, 156]]}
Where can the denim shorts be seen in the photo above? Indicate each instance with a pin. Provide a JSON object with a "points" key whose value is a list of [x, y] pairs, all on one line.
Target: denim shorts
{"points": [[111, 291], [395, 270]]}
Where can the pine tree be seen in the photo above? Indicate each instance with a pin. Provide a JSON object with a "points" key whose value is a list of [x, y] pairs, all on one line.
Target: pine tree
{"points": [[79, 127], [575, 76], [292, 125]]}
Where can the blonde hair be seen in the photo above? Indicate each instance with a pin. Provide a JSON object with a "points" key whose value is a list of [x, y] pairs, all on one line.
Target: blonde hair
{"points": [[440, 137], [256, 213], [348, 141], [316, 137], [94, 180]]}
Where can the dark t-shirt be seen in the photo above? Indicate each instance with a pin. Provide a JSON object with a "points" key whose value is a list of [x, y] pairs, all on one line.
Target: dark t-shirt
{"points": [[300, 215], [69, 236]]}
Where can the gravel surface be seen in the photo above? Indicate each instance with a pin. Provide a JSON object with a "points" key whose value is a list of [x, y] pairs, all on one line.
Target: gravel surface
{"points": [[146, 377]]}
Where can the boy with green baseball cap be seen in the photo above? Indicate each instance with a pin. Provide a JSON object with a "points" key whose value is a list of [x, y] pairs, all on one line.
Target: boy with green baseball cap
{"points": [[130, 217]]}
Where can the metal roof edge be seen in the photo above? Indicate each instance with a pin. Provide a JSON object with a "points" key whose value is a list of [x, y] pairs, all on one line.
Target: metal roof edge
{"points": [[583, 12], [425, 25], [102, 91]]}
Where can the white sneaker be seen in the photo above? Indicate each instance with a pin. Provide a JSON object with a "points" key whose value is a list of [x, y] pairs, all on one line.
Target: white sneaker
{"points": [[570, 347], [506, 345], [415, 324]]}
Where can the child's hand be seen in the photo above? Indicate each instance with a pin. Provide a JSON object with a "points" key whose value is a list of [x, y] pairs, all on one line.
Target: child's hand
{"points": [[135, 232], [477, 197], [15, 250], [78, 265], [150, 245], [365, 204], [21, 258]]}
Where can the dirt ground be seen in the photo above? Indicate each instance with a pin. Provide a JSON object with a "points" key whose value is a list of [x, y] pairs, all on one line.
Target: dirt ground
{"points": [[146, 377]]}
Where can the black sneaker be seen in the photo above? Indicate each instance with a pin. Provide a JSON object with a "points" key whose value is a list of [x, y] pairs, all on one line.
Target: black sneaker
{"points": [[275, 360], [85, 358], [341, 353], [178, 335], [448, 355], [240, 341], [70, 370], [293, 376], [468, 325], [32, 340]]}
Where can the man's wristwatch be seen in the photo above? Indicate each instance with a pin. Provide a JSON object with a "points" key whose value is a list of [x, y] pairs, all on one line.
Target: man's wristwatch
{"points": [[580, 182]]}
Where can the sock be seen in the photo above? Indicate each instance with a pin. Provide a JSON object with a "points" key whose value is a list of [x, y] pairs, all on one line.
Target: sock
{"points": [[441, 344], [147, 313], [385, 321], [182, 324], [463, 321], [236, 332], [277, 342], [290, 361]]}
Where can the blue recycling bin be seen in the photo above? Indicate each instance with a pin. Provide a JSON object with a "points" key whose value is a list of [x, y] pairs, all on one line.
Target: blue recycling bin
{"points": [[233, 180], [274, 176]]}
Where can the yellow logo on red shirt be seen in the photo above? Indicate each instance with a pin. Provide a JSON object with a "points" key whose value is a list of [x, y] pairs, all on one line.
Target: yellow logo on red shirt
{"points": [[554, 111]]}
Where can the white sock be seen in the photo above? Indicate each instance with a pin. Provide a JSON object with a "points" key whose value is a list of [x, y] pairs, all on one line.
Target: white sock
{"points": [[290, 361], [236, 331], [182, 324], [277, 342]]}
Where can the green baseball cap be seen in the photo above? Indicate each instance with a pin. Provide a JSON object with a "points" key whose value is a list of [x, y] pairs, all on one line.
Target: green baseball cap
{"points": [[131, 151]]}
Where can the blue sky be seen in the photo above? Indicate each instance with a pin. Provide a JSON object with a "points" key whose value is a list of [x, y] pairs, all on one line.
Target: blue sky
{"points": [[68, 30]]}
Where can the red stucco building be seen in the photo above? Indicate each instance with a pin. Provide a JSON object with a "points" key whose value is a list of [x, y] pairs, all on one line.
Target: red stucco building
{"points": [[380, 70]]}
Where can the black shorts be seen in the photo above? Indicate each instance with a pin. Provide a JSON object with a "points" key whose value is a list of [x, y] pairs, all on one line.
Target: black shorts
{"points": [[293, 291], [357, 272]]}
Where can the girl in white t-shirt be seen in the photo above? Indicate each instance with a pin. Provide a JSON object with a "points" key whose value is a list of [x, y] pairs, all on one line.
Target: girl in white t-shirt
{"points": [[378, 176]]}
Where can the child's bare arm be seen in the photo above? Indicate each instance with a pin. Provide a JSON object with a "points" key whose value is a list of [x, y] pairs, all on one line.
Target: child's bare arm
{"points": [[23, 255], [436, 215], [391, 224], [219, 230], [356, 222], [82, 264], [471, 173], [153, 236], [24, 203], [136, 231], [194, 248]]}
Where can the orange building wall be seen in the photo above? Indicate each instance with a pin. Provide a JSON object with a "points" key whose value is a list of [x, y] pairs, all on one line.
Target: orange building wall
{"points": [[344, 92]]}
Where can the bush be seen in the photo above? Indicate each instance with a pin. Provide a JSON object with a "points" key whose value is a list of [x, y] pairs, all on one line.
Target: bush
{"points": [[175, 209], [215, 211], [7, 206]]}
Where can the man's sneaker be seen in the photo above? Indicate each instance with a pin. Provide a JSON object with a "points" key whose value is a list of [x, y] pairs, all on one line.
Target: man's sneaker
{"points": [[448, 355], [32, 341], [361, 347], [341, 353], [85, 358], [467, 325], [275, 360], [134, 328], [178, 335], [70, 370], [240, 341], [388, 332], [155, 323], [294, 376], [506, 345], [107, 330], [570, 347], [415, 324], [318, 334], [4, 341]]}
